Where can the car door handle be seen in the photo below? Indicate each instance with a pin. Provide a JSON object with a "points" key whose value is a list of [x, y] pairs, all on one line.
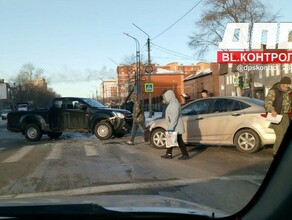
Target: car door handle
{"points": [[236, 114], [199, 118]]}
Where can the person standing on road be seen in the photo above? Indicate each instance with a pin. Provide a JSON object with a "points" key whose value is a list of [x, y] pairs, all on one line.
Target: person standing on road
{"points": [[277, 102], [174, 123], [138, 118]]}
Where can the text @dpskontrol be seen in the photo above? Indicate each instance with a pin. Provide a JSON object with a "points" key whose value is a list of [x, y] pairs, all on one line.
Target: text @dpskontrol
{"points": [[256, 67]]}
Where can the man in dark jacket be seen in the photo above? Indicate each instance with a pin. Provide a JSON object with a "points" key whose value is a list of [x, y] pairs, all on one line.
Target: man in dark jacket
{"points": [[138, 118], [277, 102]]}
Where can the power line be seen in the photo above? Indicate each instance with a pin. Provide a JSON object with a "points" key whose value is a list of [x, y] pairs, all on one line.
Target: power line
{"points": [[178, 20], [172, 58], [172, 52]]}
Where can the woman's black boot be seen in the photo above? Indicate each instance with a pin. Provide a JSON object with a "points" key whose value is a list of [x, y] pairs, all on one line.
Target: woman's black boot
{"points": [[168, 154]]}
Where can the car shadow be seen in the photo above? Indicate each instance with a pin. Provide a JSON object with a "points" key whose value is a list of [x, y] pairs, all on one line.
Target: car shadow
{"points": [[196, 150]]}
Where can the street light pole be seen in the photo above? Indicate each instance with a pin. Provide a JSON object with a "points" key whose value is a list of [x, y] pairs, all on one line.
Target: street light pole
{"points": [[149, 70], [118, 83], [137, 75]]}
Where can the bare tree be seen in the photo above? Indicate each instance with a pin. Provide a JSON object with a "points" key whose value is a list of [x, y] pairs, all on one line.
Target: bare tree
{"points": [[30, 86], [132, 59], [217, 13], [27, 74]]}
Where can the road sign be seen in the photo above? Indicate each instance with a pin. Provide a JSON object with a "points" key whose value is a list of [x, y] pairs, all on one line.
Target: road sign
{"points": [[149, 87], [148, 69]]}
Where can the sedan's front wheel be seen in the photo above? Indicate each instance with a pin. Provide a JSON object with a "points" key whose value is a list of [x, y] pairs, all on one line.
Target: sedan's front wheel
{"points": [[247, 141], [157, 138]]}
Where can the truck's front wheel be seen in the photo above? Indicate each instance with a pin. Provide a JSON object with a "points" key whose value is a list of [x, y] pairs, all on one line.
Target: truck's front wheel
{"points": [[32, 132], [103, 130]]}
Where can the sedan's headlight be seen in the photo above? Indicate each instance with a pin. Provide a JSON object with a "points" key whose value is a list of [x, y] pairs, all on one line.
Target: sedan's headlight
{"points": [[120, 115]]}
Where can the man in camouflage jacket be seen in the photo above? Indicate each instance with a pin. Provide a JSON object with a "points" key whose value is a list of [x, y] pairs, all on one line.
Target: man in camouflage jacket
{"points": [[138, 118], [278, 101]]}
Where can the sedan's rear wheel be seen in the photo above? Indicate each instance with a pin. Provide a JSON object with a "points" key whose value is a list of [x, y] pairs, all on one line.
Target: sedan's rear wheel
{"points": [[247, 141], [157, 138]]}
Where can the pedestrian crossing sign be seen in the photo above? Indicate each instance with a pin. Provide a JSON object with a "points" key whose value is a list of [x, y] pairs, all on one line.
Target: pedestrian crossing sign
{"points": [[149, 87]]}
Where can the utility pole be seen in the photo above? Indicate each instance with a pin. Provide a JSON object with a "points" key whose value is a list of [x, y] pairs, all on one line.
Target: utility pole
{"points": [[103, 92], [149, 68], [149, 78]]}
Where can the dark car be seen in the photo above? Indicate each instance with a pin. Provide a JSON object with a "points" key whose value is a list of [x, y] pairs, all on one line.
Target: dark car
{"points": [[71, 114]]}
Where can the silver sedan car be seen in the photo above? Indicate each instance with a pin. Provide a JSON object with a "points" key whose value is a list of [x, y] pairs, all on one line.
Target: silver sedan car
{"points": [[236, 121]]}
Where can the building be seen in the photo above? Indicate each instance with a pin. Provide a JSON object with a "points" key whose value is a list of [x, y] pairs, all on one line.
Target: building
{"points": [[202, 79], [108, 91], [254, 83], [188, 81], [252, 80], [186, 69], [164, 77], [126, 79], [162, 80]]}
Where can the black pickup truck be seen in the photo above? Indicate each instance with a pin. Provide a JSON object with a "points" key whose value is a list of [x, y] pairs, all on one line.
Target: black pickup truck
{"points": [[71, 114]]}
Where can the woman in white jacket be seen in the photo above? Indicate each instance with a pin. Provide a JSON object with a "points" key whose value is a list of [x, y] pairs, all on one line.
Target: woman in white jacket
{"points": [[174, 123]]}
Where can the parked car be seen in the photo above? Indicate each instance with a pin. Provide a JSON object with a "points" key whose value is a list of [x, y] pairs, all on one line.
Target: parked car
{"points": [[238, 121], [4, 113]]}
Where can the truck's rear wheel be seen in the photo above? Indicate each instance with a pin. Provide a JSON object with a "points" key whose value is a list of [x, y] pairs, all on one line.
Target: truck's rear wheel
{"points": [[32, 132], [103, 130]]}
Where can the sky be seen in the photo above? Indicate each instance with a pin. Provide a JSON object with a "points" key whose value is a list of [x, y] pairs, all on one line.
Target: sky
{"points": [[79, 43]]}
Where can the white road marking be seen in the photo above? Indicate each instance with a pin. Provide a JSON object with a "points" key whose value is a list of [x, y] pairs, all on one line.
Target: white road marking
{"points": [[90, 150], [257, 180], [130, 186], [19, 154], [55, 153]]}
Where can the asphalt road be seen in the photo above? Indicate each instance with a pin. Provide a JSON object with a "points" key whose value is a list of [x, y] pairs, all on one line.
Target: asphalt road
{"points": [[79, 164]]}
